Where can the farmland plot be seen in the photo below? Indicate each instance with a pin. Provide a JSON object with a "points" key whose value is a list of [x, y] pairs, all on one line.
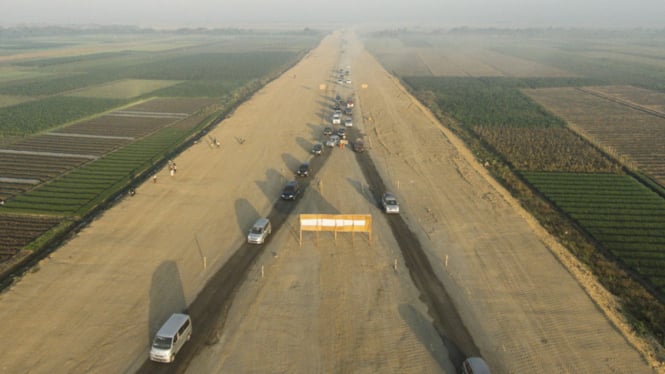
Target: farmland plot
{"points": [[124, 89], [457, 62], [627, 218], [632, 135], [19, 231], [638, 96], [545, 149]]}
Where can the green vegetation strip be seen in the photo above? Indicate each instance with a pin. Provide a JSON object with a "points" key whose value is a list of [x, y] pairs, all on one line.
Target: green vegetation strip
{"points": [[618, 211], [84, 188], [491, 101], [34, 116]]}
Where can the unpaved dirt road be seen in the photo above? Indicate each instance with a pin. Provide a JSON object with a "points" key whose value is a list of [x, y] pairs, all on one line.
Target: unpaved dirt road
{"points": [[332, 304]]}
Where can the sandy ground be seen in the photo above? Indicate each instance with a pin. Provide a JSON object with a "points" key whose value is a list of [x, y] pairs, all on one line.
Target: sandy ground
{"points": [[328, 305]]}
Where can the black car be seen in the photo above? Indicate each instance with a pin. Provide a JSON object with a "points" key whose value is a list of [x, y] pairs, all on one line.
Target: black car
{"points": [[327, 130], [317, 149], [291, 191], [303, 170]]}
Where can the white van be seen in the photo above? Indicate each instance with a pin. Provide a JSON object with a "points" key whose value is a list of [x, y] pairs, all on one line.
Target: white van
{"points": [[171, 337], [260, 231], [475, 365]]}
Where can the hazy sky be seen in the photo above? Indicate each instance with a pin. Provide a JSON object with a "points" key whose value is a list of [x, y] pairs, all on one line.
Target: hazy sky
{"points": [[445, 13]]}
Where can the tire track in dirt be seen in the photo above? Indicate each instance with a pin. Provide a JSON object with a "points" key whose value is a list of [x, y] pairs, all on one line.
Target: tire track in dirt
{"points": [[210, 308], [447, 320]]}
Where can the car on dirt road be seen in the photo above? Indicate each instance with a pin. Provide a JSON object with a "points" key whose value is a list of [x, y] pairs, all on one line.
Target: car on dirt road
{"points": [[348, 122], [303, 170], [332, 141], [327, 130], [389, 203], [359, 146], [317, 149], [291, 191]]}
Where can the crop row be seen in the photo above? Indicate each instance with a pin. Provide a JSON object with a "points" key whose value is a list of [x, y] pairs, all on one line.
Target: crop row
{"points": [[85, 187], [622, 214], [68, 144], [545, 149], [628, 133], [34, 116], [18, 231], [608, 69], [489, 101]]}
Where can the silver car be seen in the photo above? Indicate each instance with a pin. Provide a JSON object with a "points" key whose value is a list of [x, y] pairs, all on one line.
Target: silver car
{"points": [[259, 231], [389, 203]]}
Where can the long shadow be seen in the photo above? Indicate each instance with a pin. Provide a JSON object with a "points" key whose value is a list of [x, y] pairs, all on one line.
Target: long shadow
{"points": [[364, 190], [166, 297], [246, 214], [210, 308], [305, 144], [274, 181], [441, 308], [291, 163], [420, 326]]}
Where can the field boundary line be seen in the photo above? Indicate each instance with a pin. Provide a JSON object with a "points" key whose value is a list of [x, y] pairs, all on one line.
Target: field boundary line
{"points": [[618, 100]]}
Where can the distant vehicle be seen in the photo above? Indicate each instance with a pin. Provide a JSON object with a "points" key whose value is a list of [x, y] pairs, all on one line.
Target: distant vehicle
{"points": [[170, 338], [348, 81], [348, 122], [303, 170], [327, 130], [291, 191], [389, 203], [475, 365], [350, 103], [336, 120], [338, 98], [341, 132], [332, 141], [317, 149], [259, 231], [337, 107], [359, 145]]}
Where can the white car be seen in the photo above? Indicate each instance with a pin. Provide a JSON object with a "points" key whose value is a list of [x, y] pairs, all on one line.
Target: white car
{"points": [[336, 120], [348, 122]]}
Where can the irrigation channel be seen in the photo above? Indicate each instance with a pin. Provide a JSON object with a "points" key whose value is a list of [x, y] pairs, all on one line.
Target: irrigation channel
{"points": [[210, 308]]}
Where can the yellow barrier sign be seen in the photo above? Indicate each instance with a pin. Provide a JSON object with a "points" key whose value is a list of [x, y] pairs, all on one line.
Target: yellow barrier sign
{"points": [[336, 223]]}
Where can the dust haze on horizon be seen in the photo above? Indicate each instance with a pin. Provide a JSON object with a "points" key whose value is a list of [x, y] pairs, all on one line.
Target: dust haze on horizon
{"points": [[396, 13]]}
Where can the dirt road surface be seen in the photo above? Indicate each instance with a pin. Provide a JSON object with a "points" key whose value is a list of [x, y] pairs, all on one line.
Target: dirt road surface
{"points": [[344, 304]]}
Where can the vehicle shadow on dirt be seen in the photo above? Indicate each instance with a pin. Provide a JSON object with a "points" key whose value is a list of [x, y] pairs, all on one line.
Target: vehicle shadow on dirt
{"points": [[166, 296], [316, 131], [305, 144], [364, 190], [246, 214], [423, 330]]}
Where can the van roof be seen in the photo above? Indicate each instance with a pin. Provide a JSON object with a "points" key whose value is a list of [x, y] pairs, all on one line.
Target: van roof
{"points": [[171, 326], [261, 222], [478, 365]]}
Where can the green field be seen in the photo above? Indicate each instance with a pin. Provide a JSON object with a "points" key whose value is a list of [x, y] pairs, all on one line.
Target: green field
{"points": [[622, 214], [139, 97], [124, 89], [481, 83]]}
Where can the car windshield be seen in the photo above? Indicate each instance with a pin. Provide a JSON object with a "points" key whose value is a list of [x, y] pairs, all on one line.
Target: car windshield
{"points": [[256, 230], [390, 200], [162, 342]]}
